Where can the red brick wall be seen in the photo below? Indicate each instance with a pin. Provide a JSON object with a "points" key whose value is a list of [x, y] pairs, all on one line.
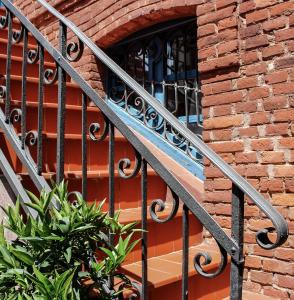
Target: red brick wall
{"points": [[246, 63]]}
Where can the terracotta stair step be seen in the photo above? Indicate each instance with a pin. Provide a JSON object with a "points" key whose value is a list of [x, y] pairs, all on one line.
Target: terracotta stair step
{"points": [[96, 174], [17, 49], [73, 92], [16, 66], [134, 214], [167, 269], [246, 295]]}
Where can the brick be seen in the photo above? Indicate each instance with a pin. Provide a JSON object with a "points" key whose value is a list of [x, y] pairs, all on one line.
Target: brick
{"points": [[206, 30], [249, 106], [271, 185], [259, 118], [222, 135], [275, 293], [249, 57], [256, 171], [256, 69], [264, 3], [227, 47], [285, 253], [223, 62], [215, 88], [258, 93], [278, 266], [253, 262], [257, 16], [290, 45], [232, 146], [272, 157], [224, 3], [276, 77], [285, 62], [261, 277], [289, 185], [283, 35], [277, 129], [213, 17], [275, 24], [275, 103], [256, 41], [222, 98], [283, 88], [247, 82], [206, 53], [249, 31], [248, 132], [287, 143], [282, 8], [205, 8], [284, 171], [262, 144], [246, 158], [284, 115], [222, 110], [246, 6], [227, 23], [285, 281], [272, 51]]}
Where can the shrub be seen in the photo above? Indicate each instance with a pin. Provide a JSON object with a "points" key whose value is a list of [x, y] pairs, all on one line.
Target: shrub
{"points": [[57, 253]]}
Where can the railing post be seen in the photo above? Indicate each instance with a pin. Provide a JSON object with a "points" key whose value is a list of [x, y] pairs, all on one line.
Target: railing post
{"points": [[185, 262], [84, 145], [238, 235], [61, 106]]}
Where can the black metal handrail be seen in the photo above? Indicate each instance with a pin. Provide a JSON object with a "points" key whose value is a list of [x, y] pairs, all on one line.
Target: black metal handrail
{"points": [[232, 246], [205, 150]]}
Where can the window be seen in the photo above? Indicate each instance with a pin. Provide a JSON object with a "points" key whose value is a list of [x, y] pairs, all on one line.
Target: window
{"points": [[163, 59]]}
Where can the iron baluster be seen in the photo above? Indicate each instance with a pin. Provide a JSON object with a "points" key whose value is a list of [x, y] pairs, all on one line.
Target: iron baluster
{"points": [[8, 68], [84, 145], [111, 184], [185, 260], [40, 109], [237, 268], [24, 88], [61, 105], [144, 230], [186, 103]]}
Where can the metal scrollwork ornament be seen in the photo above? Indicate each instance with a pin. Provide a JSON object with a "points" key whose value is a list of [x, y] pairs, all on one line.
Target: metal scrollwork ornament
{"points": [[17, 36], [33, 55], [94, 128], [74, 50], [125, 164], [4, 21], [31, 138], [15, 116], [198, 264], [50, 76], [2, 91], [159, 205]]}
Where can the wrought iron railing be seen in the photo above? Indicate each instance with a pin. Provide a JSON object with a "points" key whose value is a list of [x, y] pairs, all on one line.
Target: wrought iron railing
{"points": [[229, 245]]}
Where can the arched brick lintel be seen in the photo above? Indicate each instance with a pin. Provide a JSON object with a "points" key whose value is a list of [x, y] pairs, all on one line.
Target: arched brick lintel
{"points": [[131, 23]]}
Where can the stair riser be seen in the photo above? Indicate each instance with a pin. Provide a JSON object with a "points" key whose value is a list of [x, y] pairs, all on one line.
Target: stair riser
{"points": [[97, 155], [199, 288], [73, 122], [4, 34], [17, 50], [73, 95], [127, 192], [162, 240]]}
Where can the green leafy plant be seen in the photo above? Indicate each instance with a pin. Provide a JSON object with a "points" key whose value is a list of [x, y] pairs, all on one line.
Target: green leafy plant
{"points": [[64, 253]]}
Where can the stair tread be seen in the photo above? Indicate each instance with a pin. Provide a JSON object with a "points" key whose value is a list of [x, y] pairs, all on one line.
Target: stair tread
{"points": [[130, 215], [90, 174], [166, 269], [247, 295], [55, 106], [36, 80], [20, 59]]}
